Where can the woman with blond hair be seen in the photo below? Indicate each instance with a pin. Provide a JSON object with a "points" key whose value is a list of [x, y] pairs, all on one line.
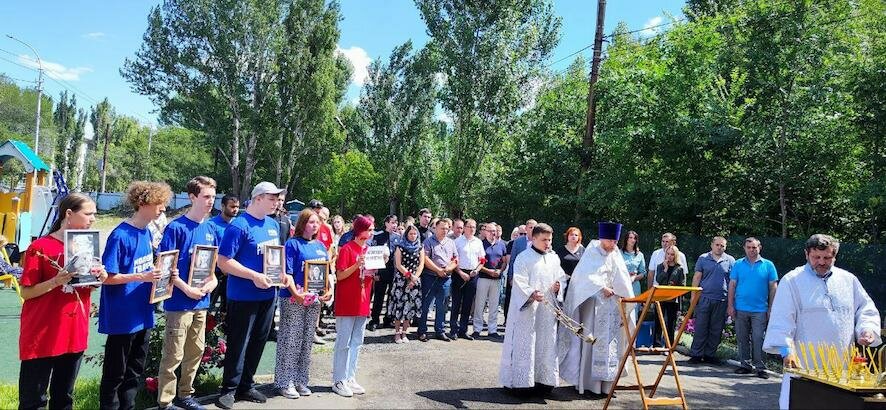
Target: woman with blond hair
{"points": [[669, 273]]}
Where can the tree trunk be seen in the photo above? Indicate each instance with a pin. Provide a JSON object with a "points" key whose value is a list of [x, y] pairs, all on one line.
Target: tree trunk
{"points": [[107, 133], [393, 205]]}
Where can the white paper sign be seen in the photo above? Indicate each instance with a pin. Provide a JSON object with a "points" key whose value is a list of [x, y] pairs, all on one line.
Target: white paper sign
{"points": [[375, 257]]}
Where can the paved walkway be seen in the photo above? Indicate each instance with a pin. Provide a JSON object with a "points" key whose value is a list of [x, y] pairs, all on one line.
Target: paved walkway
{"points": [[464, 374]]}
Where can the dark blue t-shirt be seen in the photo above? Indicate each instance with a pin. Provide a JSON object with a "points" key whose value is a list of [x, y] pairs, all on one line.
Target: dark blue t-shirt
{"points": [[184, 234], [299, 250], [244, 241], [124, 308], [494, 253]]}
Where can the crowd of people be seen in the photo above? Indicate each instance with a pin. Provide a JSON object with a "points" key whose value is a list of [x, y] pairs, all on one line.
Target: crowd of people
{"points": [[457, 267]]}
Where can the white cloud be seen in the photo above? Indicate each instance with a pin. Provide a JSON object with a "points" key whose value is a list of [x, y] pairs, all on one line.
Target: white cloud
{"points": [[95, 35], [650, 29], [359, 60], [55, 70]]}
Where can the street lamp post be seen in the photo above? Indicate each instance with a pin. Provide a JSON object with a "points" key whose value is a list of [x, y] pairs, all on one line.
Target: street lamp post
{"points": [[39, 93]]}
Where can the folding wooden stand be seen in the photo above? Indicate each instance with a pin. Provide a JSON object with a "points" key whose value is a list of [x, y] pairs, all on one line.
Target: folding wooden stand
{"points": [[656, 294]]}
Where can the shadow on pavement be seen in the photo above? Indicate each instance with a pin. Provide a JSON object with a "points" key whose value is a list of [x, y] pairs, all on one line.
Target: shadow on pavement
{"points": [[461, 398]]}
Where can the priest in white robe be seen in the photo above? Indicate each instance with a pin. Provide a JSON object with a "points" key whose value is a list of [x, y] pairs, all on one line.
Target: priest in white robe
{"points": [[817, 303], [529, 361], [598, 282]]}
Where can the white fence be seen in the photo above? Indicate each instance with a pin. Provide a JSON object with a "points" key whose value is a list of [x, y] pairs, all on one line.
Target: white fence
{"points": [[110, 200]]}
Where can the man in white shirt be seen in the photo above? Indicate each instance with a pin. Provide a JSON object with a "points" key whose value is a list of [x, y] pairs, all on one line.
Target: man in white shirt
{"points": [[464, 282], [667, 239], [819, 303]]}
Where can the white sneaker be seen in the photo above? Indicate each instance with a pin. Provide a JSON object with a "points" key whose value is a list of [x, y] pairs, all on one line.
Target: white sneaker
{"points": [[403, 338], [341, 388], [355, 387], [289, 392], [303, 390]]}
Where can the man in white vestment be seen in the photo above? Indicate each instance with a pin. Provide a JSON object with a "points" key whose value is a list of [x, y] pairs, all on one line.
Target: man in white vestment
{"points": [[597, 283], [529, 355], [817, 303]]}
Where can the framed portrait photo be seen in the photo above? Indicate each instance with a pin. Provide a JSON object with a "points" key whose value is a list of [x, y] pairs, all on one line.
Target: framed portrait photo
{"points": [[161, 289], [203, 262], [82, 255], [275, 264], [316, 276]]}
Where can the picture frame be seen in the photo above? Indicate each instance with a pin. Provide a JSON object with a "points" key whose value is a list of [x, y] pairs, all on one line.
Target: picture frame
{"points": [[161, 289], [316, 276], [274, 264], [82, 255], [203, 262]]}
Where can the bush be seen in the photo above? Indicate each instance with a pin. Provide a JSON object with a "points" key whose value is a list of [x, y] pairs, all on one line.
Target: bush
{"points": [[213, 354]]}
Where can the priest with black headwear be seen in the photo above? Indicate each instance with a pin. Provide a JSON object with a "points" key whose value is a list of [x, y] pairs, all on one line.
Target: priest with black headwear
{"points": [[598, 282]]}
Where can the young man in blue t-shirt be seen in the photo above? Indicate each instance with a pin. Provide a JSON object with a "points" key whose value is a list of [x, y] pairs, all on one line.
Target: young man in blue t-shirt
{"points": [[184, 339], [752, 285], [124, 313], [230, 207], [250, 295]]}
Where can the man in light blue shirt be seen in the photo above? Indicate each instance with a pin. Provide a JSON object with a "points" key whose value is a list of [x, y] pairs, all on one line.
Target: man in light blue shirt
{"points": [[752, 284], [519, 245]]}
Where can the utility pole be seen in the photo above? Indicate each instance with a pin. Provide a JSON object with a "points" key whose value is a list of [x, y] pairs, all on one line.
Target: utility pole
{"points": [[587, 143], [39, 92]]}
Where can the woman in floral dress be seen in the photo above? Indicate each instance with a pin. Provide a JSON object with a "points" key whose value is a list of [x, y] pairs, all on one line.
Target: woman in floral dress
{"points": [[404, 302]]}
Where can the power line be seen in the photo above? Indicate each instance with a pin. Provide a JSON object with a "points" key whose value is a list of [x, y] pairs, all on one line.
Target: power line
{"points": [[17, 79]]}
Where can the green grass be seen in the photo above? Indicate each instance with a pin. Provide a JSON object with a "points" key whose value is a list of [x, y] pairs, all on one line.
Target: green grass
{"points": [[107, 222], [86, 393]]}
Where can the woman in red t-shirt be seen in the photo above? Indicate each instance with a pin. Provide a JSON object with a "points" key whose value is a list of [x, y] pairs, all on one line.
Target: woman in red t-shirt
{"points": [[352, 292], [55, 317]]}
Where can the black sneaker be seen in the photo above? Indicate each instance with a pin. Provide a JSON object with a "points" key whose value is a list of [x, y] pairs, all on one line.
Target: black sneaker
{"points": [[188, 403], [453, 336], [443, 337], [372, 326], [762, 374], [225, 401], [422, 337], [694, 360], [742, 370], [494, 336], [466, 336], [252, 395], [169, 407], [476, 335]]}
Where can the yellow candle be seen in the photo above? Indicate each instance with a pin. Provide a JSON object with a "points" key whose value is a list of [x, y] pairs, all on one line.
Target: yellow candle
{"points": [[805, 358], [824, 358], [812, 357]]}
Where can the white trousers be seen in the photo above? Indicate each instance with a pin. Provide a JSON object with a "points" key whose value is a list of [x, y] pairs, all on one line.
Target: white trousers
{"points": [[487, 292]]}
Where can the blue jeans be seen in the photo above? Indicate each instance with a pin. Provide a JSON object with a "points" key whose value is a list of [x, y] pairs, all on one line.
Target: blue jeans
{"points": [[434, 290], [710, 319], [348, 339]]}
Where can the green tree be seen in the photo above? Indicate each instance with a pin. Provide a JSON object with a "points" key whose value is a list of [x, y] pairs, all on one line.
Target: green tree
{"points": [[312, 81], [211, 66], [489, 54], [397, 103]]}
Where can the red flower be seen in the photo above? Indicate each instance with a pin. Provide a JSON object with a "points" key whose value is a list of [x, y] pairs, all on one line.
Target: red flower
{"points": [[408, 274], [151, 384], [222, 347], [210, 323], [482, 260]]}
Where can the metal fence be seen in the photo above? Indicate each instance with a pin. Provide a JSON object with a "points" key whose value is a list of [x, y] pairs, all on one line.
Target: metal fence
{"points": [[867, 262]]}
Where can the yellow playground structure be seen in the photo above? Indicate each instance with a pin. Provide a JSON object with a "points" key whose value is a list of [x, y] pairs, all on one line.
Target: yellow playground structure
{"points": [[23, 211]]}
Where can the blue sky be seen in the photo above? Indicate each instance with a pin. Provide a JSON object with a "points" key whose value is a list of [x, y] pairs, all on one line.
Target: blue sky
{"points": [[84, 44]]}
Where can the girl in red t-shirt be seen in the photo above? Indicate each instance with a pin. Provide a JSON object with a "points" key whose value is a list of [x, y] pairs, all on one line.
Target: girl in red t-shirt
{"points": [[352, 292], [55, 318]]}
